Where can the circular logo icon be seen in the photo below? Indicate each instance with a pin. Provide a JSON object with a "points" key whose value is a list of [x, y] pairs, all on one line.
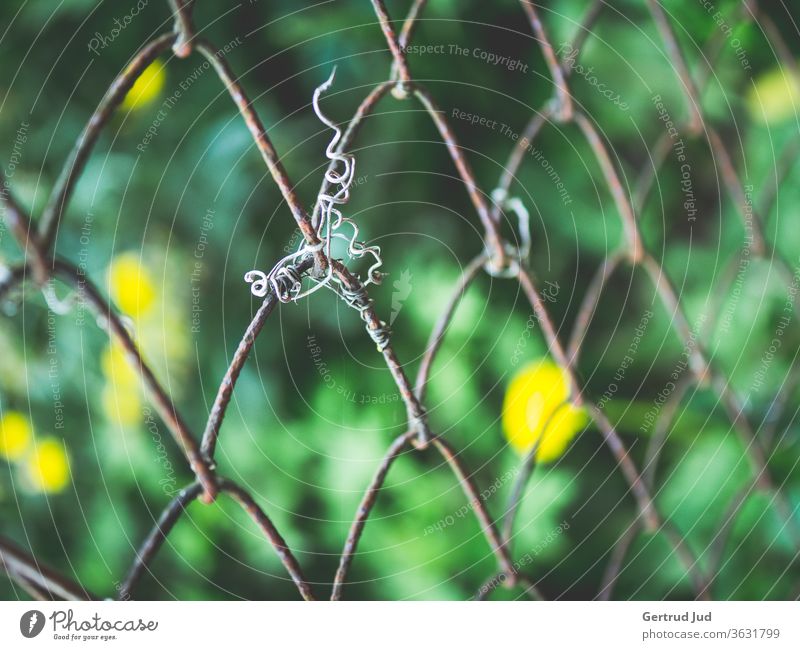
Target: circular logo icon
{"points": [[31, 623]]}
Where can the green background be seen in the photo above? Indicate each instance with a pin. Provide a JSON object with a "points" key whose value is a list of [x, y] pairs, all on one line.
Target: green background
{"points": [[304, 445]]}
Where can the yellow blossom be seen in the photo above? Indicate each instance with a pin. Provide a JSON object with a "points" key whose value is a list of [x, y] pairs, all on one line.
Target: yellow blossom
{"points": [[47, 467], [121, 396], [132, 288], [774, 97], [122, 404], [117, 368], [147, 87], [15, 435], [536, 410]]}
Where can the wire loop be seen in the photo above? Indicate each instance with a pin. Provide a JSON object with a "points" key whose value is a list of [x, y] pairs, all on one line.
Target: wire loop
{"points": [[516, 256], [340, 173]]}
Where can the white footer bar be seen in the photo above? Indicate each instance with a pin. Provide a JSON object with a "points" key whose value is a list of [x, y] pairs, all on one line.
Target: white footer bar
{"points": [[501, 625]]}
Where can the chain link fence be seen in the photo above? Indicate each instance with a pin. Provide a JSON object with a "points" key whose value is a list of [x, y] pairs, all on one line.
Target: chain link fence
{"points": [[312, 266]]}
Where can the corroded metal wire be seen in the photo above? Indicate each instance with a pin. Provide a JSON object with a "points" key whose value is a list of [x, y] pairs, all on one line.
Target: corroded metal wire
{"points": [[313, 263], [285, 282]]}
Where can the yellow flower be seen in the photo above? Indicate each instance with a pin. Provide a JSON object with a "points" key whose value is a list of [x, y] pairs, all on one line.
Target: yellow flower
{"points": [[774, 97], [132, 288], [47, 467], [121, 397], [15, 435], [122, 404], [536, 410], [147, 87], [116, 366]]}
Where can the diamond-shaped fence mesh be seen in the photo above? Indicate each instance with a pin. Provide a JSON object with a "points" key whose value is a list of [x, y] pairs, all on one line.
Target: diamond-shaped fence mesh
{"points": [[312, 265]]}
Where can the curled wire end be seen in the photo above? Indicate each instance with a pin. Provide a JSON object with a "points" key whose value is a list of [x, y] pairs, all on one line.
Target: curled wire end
{"points": [[516, 256], [285, 282], [323, 88], [259, 283], [340, 173], [284, 279], [55, 304]]}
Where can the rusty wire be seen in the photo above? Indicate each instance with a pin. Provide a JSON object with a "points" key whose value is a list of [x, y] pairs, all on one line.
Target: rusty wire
{"points": [[40, 266]]}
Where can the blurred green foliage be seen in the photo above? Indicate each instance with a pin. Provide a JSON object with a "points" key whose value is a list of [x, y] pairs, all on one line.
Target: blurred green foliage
{"points": [[306, 441]]}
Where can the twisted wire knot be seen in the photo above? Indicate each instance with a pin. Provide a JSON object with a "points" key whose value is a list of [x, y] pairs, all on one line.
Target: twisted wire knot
{"points": [[285, 282], [359, 300], [184, 27]]}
